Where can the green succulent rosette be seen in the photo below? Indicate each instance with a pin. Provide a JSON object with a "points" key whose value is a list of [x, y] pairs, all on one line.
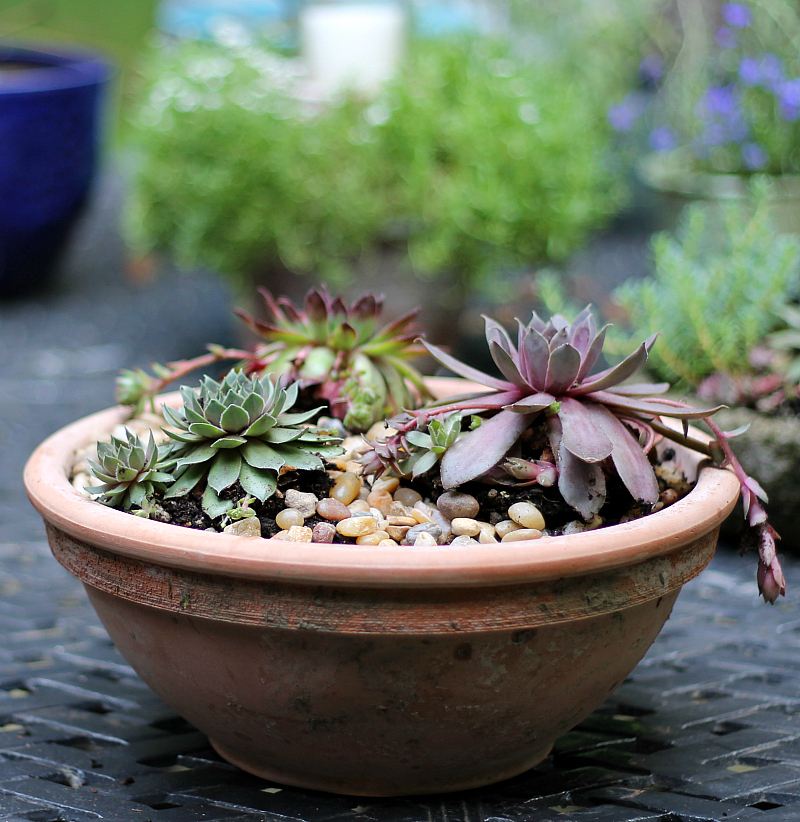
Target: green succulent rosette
{"points": [[129, 472], [241, 430]]}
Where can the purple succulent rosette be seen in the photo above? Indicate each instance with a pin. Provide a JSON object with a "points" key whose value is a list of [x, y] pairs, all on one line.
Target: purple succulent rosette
{"points": [[594, 423]]}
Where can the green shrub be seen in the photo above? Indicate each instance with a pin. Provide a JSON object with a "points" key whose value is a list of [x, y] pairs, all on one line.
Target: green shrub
{"points": [[716, 290], [473, 157]]}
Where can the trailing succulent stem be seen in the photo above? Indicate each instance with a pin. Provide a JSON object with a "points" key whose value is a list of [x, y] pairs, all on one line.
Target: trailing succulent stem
{"points": [[338, 352], [590, 425]]}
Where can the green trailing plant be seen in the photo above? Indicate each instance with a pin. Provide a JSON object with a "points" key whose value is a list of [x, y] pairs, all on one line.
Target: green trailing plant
{"points": [[129, 472], [240, 430], [590, 425], [716, 291], [337, 353], [473, 157]]}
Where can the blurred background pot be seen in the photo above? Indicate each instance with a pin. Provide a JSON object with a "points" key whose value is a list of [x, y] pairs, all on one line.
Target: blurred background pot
{"points": [[50, 108]]}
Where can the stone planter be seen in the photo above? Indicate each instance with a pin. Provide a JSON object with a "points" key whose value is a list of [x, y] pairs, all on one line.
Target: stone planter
{"points": [[679, 185], [399, 671]]}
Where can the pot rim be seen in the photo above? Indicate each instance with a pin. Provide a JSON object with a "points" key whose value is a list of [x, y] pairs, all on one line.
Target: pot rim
{"points": [[55, 68], [604, 549]]}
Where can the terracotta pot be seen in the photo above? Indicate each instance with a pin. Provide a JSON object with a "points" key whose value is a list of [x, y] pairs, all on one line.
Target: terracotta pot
{"points": [[399, 671]]}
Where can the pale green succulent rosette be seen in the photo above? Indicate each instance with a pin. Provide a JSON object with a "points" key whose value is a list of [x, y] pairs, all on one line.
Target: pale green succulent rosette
{"points": [[129, 472], [240, 430]]}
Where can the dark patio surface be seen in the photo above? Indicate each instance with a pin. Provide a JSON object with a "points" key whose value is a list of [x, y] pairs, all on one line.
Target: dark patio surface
{"points": [[706, 728]]}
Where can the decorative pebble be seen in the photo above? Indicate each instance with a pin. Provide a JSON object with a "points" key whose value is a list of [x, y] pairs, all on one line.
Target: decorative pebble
{"points": [[486, 537], [372, 539], [464, 526], [424, 538], [357, 526], [353, 467], [367, 513], [406, 496], [330, 508], [410, 521], [323, 532], [287, 518], [505, 526], [396, 532], [420, 516], [424, 528], [346, 488], [397, 509], [522, 533], [463, 539], [527, 515], [247, 527], [388, 543], [388, 484], [358, 505], [302, 501], [363, 493], [381, 500], [299, 533], [444, 523], [455, 504], [574, 527]]}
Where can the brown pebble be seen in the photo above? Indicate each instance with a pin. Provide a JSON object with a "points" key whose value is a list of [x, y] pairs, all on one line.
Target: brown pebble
{"points": [[357, 526], [388, 484], [299, 533], [410, 521], [324, 532], [454, 504], [407, 496], [398, 510], [346, 488], [288, 517], [397, 532], [330, 508], [304, 502], [374, 538], [380, 500], [247, 527]]}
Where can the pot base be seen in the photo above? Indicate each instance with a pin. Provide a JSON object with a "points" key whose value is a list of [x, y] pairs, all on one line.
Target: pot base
{"points": [[378, 787]]}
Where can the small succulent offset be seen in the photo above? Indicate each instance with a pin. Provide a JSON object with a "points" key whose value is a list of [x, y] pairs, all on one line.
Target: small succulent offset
{"points": [[129, 472], [337, 352], [593, 424], [240, 430], [360, 368]]}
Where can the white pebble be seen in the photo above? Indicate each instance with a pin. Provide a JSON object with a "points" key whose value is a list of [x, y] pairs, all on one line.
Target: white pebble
{"points": [[527, 515], [522, 533], [465, 526], [424, 538]]}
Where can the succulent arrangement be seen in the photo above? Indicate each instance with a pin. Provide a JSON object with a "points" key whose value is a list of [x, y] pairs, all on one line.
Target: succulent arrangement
{"points": [[337, 354], [546, 448]]}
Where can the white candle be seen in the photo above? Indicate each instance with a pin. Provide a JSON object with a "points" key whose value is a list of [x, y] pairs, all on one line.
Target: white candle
{"points": [[352, 45]]}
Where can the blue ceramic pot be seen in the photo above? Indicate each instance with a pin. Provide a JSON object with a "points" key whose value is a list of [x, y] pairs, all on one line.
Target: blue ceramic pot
{"points": [[49, 133]]}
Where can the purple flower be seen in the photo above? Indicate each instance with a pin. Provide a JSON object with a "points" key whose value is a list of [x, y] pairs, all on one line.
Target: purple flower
{"points": [[663, 139], [715, 134], [720, 100], [754, 156], [771, 71], [788, 112], [737, 15], [789, 92], [651, 69], [750, 71], [726, 38], [623, 116]]}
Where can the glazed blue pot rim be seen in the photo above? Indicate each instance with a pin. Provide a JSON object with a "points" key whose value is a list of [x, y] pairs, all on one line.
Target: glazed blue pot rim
{"points": [[55, 69]]}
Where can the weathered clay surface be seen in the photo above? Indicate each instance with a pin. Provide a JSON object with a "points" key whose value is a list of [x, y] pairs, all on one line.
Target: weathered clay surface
{"points": [[770, 451], [314, 664]]}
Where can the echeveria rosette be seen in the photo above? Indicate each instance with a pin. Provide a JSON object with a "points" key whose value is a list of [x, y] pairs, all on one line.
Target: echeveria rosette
{"points": [[359, 367], [240, 430], [129, 472], [591, 421]]}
